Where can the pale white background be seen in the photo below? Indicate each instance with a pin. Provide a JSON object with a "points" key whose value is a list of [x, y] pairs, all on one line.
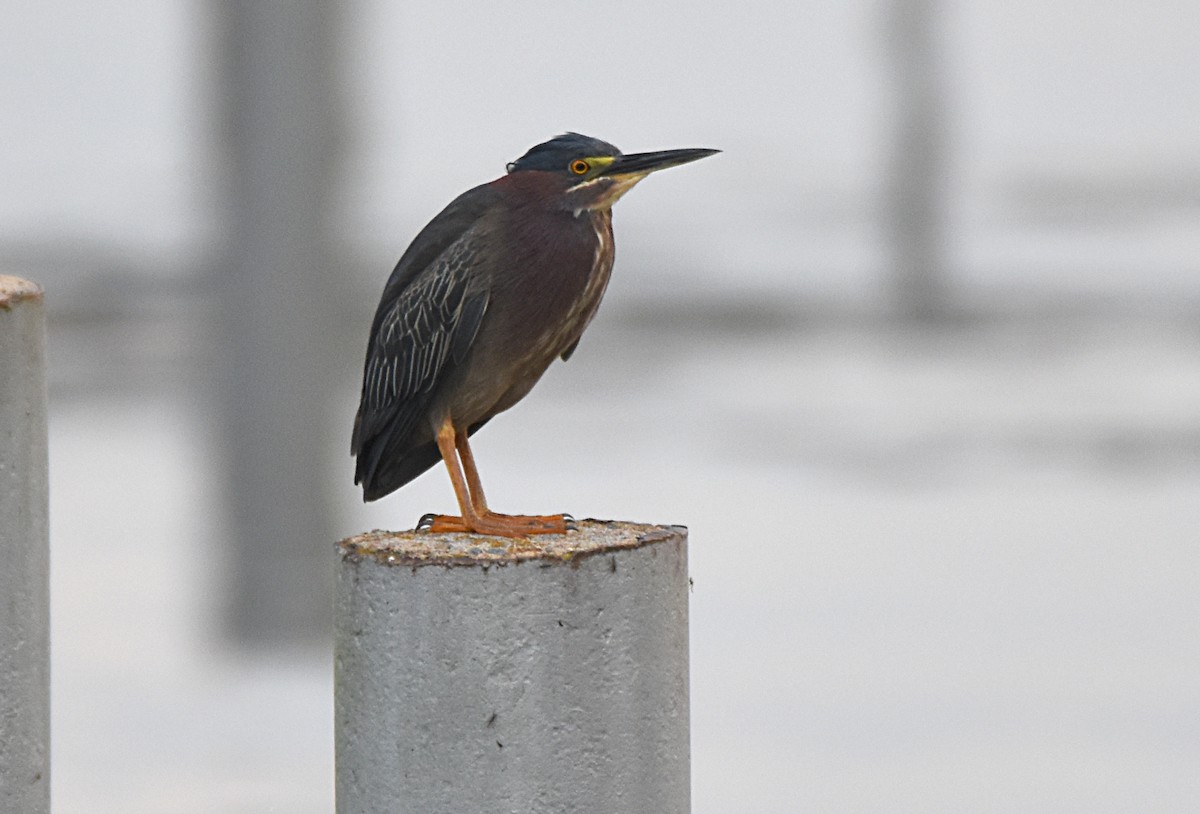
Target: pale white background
{"points": [[936, 569]]}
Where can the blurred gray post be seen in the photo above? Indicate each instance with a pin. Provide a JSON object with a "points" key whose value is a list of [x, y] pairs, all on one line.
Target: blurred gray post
{"points": [[24, 553], [275, 312], [532, 676], [915, 191]]}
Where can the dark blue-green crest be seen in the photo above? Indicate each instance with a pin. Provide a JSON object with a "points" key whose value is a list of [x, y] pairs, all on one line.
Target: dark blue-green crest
{"points": [[556, 154]]}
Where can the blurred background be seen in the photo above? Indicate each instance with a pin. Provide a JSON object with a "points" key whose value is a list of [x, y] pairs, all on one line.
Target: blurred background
{"points": [[917, 360]]}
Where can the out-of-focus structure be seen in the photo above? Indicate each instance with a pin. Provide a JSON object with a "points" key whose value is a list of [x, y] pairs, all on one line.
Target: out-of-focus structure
{"points": [[25, 552], [916, 177], [275, 287]]}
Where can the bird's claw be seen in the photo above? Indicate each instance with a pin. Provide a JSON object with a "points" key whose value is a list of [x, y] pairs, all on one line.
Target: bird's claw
{"points": [[426, 522], [570, 523]]}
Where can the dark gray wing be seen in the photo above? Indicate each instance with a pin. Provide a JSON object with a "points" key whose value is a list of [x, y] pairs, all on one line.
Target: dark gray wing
{"points": [[431, 242], [426, 323], [418, 335]]}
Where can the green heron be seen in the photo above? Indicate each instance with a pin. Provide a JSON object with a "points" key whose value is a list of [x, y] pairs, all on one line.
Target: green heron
{"points": [[496, 287]]}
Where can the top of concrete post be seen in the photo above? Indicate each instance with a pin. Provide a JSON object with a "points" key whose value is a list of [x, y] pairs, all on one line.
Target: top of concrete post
{"points": [[417, 548], [13, 290]]}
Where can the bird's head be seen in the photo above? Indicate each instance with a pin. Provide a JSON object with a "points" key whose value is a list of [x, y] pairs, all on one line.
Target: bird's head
{"points": [[592, 174]]}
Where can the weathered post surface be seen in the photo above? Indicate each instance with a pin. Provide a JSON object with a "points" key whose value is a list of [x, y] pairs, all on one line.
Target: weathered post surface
{"points": [[476, 674], [24, 553]]}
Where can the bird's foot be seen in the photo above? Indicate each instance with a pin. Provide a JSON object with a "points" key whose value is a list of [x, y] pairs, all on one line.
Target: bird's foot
{"points": [[499, 525]]}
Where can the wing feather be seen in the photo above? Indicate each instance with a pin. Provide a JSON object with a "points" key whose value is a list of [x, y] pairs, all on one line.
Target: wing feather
{"points": [[425, 326]]}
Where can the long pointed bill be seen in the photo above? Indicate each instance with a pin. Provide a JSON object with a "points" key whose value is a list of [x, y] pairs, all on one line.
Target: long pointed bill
{"points": [[642, 164], [626, 170]]}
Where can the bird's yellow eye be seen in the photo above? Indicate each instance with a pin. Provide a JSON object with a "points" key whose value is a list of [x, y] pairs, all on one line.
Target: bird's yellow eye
{"points": [[579, 166]]}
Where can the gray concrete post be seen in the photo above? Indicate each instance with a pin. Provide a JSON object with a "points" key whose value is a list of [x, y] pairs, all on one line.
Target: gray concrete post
{"points": [[475, 674], [24, 553]]}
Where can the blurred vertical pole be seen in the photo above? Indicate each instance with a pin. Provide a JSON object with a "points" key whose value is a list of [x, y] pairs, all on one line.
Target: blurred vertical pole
{"points": [[24, 553], [914, 197], [278, 99]]}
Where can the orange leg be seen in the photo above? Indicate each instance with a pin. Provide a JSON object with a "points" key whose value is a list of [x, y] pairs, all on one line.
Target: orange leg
{"points": [[474, 485], [468, 489]]}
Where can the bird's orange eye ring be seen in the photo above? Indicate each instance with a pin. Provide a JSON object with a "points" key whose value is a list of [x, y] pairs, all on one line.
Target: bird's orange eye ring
{"points": [[579, 166]]}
